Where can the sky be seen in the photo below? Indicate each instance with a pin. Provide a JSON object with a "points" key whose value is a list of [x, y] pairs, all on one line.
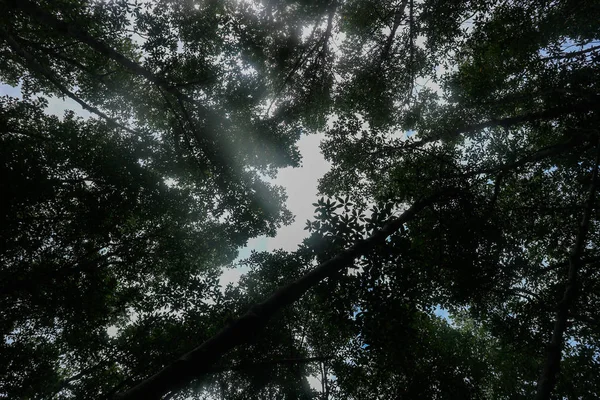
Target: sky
{"points": [[301, 187]]}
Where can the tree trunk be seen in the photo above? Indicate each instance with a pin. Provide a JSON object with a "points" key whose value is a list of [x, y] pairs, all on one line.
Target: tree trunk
{"points": [[200, 360], [551, 368]]}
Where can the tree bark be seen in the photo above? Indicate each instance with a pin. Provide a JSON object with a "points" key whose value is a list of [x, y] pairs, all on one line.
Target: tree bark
{"points": [[398, 16], [551, 367], [200, 360]]}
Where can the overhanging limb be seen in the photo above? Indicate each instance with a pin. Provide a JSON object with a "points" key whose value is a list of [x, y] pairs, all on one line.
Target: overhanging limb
{"points": [[200, 360]]}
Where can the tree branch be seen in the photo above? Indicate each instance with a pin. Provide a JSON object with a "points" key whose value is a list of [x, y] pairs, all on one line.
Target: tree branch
{"points": [[199, 361], [270, 363], [560, 265], [398, 15], [547, 114], [67, 381], [551, 367], [30, 62], [78, 33], [82, 36], [52, 53], [411, 44], [297, 65], [571, 54], [539, 155]]}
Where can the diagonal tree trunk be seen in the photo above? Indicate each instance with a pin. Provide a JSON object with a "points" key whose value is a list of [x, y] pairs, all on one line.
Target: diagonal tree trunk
{"points": [[200, 360], [551, 367]]}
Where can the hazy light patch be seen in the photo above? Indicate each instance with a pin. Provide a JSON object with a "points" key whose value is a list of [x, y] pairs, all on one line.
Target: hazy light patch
{"points": [[246, 69], [170, 182], [112, 331], [57, 106], [306, 32], [231, 275], [132, 317], [301, 187], [314, 382], [138, 40], [257, 244]]}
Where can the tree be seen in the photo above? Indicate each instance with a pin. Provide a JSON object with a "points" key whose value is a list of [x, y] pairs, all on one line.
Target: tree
{"points": [[474, 193]]}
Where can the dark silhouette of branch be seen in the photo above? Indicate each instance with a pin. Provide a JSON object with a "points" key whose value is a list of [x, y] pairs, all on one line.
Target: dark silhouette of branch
{"points": [[552, 364], [199, 361], [192, 83], [539, 155], [571, 54], [527, 294], [52, 53], [209, 144], [564, 264], [411, 44], [8, 130], [305, 55], [507, 122], [66, 382], [299, 63], [30, 62], [497, 187], [502, 170], [254, 366], [180, 129], [398, 15], [588, 320], [545, 152], [78, 33], [547, 114], [332, 9]]}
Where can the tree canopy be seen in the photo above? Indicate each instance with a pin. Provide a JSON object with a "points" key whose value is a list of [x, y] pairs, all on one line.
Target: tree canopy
{"points": [[454, 252]]}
